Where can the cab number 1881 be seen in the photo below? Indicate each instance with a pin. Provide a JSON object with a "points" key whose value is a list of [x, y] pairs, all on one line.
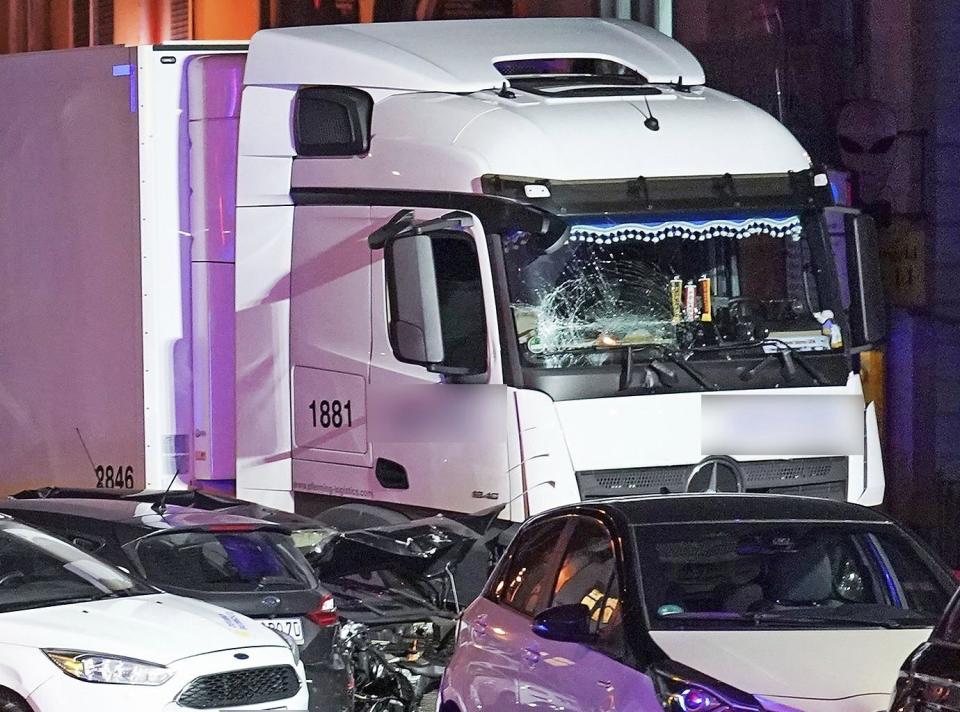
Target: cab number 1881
{"points": [[331, 414]]}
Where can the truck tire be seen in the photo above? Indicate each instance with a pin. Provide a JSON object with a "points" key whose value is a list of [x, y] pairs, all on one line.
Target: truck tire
{"points": [[348, 517]]}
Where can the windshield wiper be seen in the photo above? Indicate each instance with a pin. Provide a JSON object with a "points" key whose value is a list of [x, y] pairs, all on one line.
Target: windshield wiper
{"points": [[657, 370], [788, 356]]}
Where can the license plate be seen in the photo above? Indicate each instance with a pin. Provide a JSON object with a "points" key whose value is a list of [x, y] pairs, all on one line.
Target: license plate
{"points": [[291, 626]]}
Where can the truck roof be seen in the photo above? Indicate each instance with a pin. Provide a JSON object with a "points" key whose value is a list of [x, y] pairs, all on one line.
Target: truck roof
{"points": [[457, 56]]}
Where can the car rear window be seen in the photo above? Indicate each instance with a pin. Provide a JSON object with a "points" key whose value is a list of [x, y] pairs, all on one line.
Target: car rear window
{"points": [[223, 561]]}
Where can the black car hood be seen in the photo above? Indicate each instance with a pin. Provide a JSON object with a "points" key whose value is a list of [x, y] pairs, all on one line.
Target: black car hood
{"points": [[389, 573], [423, 548]]}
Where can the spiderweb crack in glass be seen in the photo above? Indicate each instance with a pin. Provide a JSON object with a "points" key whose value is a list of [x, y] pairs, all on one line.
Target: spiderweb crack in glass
{"points": [[784, 227], [602, 295]]}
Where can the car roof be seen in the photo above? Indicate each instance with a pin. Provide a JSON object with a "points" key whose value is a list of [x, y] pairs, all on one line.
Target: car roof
{"points": [[131, 513], [705, 508]]}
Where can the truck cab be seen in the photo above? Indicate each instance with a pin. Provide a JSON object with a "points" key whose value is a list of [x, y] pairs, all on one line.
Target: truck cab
{"points": [[531, 262]]}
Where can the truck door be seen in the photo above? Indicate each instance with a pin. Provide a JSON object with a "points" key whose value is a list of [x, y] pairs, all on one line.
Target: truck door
{"points": [[438, 410]]}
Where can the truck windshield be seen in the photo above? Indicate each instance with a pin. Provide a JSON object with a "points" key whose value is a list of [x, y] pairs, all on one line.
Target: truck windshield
{"points": [[795, 574], [696, 280]]}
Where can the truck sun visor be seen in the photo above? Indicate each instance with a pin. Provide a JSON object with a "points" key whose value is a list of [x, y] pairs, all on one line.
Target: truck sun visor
{"points": [[655, 230]]}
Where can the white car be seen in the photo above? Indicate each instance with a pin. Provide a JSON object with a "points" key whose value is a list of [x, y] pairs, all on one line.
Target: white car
{"points": [[698, 603], [78, 634]]}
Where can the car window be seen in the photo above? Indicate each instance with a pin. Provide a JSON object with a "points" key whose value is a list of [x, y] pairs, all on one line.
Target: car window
{"points": [[730, 574], [588, 576], [228, 561], [533, 566], [38, 570]]}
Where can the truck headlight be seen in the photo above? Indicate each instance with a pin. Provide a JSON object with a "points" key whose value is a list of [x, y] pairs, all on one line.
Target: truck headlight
{"points": [[682, 689], [291, 643], [110, 669]]}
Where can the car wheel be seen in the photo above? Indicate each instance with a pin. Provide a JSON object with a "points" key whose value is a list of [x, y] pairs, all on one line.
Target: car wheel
{"points": [[11, 702]]}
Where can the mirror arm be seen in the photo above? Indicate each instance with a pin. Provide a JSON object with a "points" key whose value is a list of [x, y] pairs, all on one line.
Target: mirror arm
{"points": [[457, 220], [396, 225]]}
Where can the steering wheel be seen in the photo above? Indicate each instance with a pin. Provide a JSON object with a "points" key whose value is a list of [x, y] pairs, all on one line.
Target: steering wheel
{"points": [[12, 576]]}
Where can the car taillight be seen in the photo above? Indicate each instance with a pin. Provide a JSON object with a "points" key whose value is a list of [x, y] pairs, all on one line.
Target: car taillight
{"points": [[325, 614], [224, 528]]}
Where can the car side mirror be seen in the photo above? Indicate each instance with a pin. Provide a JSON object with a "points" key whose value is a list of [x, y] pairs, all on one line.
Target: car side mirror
{"points": [[436, 310], [868, 318], [569, 624]]}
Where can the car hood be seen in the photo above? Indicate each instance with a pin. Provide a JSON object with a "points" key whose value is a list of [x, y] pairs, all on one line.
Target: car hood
{"points": [[158, 628], [798, 664], [418, 548], [415, 553]]}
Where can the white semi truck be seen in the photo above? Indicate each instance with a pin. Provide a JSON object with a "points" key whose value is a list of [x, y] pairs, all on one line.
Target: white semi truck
{"points": [[422, 266]]}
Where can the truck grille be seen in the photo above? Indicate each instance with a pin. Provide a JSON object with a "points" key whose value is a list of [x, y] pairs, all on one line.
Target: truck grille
{"points": [[818, 477], [243, 687]]}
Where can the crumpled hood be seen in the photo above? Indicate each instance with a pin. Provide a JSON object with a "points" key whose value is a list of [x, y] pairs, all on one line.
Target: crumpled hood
{"points": [[158, 628], [799, 664], [413, 548]]}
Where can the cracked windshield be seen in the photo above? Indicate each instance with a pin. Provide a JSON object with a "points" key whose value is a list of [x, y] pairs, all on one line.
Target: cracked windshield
{"points": [[676, 284]]}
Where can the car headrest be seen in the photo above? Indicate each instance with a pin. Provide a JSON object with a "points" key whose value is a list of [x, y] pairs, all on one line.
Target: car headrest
{"points": [[801, 577]]}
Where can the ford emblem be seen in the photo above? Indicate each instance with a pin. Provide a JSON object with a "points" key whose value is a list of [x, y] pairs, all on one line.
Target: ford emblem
{"points": [[241, 656], [270, 601]]}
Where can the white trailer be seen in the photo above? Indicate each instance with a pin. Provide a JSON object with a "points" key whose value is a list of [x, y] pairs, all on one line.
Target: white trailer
{"points": [[453, 247]]}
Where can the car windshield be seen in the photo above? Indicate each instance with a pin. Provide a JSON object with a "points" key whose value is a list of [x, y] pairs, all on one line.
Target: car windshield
{"points": [[723, 575], [677, 282], [223, 561], [38, 570]]}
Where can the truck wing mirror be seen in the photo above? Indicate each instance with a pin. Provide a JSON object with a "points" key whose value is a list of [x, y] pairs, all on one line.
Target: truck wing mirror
{"points": [[415, 329], [868, 319], [434, 293]]}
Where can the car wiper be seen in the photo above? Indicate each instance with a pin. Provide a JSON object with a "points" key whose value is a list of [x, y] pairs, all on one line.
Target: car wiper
{"points": [[280, 581], [657, 370]]}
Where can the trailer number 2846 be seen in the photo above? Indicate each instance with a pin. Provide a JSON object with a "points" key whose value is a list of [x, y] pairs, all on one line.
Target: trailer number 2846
{"points": [[331, 413], [110, 478]]}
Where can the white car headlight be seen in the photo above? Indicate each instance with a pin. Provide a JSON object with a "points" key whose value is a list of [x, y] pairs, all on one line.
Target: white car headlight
{"points": [[291, 643], [110, 669]]}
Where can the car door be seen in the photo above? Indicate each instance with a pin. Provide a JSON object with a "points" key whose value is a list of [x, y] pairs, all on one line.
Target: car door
{"points": [[487, 663], [590, 678]]}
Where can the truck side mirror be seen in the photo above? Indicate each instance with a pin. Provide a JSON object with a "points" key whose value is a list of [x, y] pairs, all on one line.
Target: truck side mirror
{"points": [[436, 302], [868, 318]]}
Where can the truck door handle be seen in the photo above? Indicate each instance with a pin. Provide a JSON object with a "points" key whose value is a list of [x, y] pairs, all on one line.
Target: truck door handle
{"points": [[531, 656], [391, 475]]}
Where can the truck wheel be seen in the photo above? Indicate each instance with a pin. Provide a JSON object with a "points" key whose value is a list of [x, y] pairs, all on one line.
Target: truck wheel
{"points": [[348, 517], [11, 702]]}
